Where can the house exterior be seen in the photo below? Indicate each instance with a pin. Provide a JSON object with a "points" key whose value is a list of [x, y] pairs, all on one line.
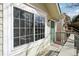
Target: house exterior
{"points": [[25, 29]]}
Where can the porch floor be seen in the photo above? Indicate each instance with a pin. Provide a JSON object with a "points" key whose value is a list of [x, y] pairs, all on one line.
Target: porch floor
{"points": [[66, 50]]}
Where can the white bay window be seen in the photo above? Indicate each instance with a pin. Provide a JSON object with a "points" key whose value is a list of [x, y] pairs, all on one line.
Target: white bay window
{"points": [[22, 25]]}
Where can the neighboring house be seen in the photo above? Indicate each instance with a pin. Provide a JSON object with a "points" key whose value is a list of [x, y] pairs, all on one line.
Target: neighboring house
{"points": [[58, 32], [67, 22], [62, 29], [24, 28]]}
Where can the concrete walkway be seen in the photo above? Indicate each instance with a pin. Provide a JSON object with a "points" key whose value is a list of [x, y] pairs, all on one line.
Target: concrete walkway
{"points": [[68, 48]]}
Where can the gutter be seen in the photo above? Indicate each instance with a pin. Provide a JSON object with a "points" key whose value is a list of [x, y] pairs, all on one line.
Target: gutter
{"points": [[59, 10]]}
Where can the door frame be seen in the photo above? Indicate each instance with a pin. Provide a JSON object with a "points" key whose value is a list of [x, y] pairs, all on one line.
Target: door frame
{"points": [[54, 32]]}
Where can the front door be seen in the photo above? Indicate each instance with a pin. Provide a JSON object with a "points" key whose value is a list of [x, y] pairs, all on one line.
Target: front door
{"points": [[52, 32]]}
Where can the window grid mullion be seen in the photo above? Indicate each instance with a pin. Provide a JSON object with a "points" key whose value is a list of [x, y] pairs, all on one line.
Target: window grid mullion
{"points": [[19, 27], [25, 28], [29, 30], [34, 28]]}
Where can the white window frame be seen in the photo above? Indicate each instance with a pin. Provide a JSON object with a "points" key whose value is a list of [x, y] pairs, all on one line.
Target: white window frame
{"points": [[8, 48]]}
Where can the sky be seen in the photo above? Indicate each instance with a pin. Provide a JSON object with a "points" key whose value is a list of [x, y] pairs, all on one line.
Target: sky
{"points": [[70, 9]]}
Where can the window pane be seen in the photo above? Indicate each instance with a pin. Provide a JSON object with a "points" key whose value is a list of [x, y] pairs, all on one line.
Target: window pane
{"points": [[22, 32], [16, 12], [16, 32], [43, 20], [36, 37], [31, 25], [22, 40], [39, 31], [27, 16], [22, 23], [31, 38], [31, 18], [36, 24], [39, 37], [27, 39], [27, 31], [22, 14], [43, 35], [16, 42], [27, 24], [16, 22], [36, 18], [31, 31], [43, 30]]}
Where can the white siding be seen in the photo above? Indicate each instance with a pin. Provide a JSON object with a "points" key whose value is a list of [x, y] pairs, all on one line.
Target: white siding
{"points": [[1, 32]]}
